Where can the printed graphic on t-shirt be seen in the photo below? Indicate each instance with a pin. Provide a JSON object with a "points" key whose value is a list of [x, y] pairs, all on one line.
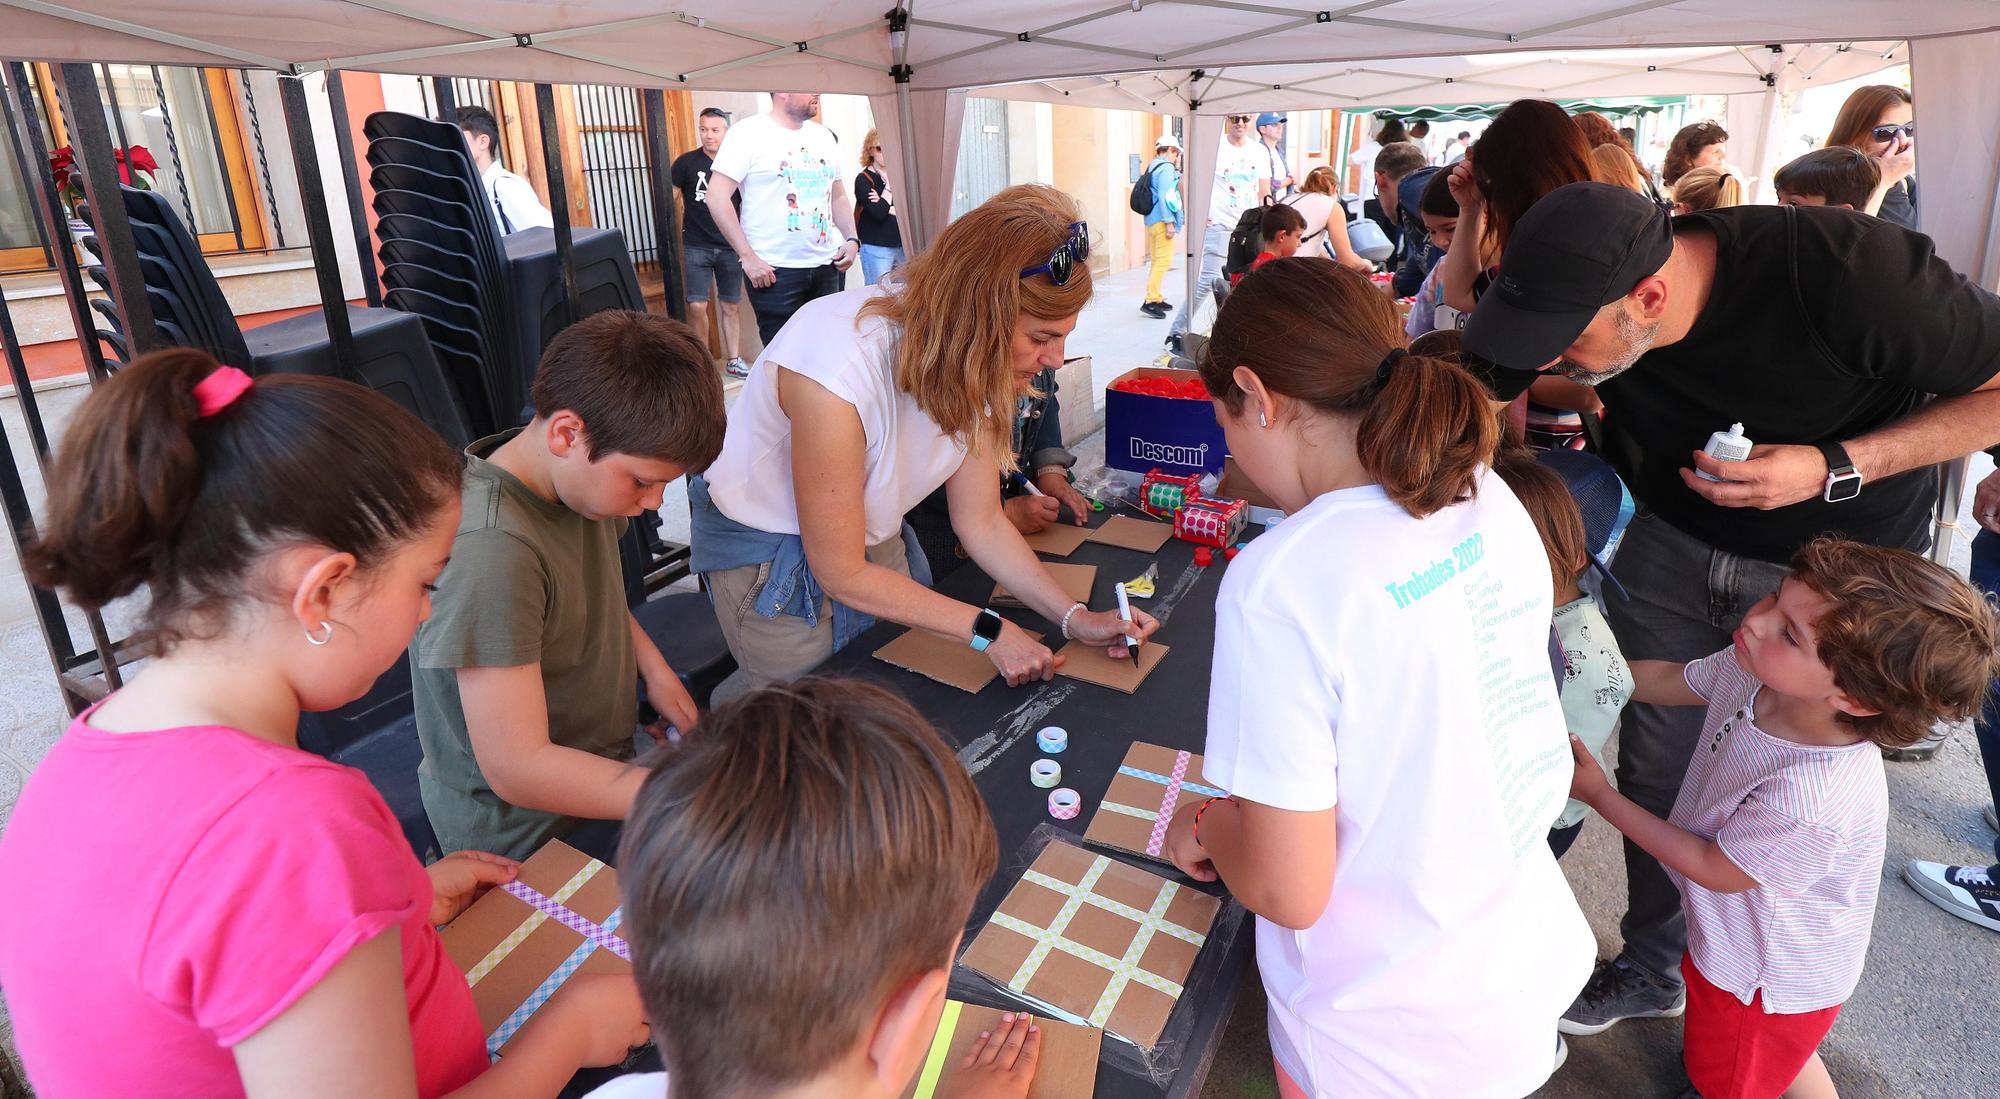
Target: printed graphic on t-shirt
{"points": [[808, 193]]}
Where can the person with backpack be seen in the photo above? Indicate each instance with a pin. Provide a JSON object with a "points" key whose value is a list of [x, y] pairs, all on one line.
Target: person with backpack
{"points": [[1156, 195], [1236, 189]]}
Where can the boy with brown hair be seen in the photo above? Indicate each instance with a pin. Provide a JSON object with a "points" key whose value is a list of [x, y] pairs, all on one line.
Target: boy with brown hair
{"points": [[1838, 175], [795, 883], [527, 673], [1777, 837]]}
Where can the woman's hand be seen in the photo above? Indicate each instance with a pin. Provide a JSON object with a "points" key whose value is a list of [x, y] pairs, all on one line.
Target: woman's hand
{"points": [[1897, 165], [1464, 188], [462, 877], [1107, 629], [600, 1015], [1032, 514], [999, 1065], [1058, 487], [1181, 848], [1588, 783], [1021, 658]]}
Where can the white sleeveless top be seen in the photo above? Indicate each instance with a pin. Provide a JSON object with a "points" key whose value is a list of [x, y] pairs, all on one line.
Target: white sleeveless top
{"points": [[907, 456]]}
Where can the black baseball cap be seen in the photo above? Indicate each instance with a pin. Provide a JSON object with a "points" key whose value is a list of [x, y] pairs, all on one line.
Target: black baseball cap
{"points": [[1577, 250]]}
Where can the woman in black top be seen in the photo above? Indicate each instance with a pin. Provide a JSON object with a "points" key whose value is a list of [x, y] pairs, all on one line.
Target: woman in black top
{"points": [[875, 215], [1877, 120]]}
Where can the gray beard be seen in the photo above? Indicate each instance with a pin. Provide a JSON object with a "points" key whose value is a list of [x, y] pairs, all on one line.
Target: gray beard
{"points": [[1634, 340]]}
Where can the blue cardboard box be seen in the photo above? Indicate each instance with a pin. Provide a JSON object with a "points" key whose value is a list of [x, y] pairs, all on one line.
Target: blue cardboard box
{"points": [[1169, 434]]}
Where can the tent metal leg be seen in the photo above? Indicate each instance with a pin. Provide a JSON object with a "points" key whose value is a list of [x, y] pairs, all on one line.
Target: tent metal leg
{"points": [[1951, 498], [350, 178], [447, 100], [552, 167], [91, 137], [666, 224], [319, 226]]}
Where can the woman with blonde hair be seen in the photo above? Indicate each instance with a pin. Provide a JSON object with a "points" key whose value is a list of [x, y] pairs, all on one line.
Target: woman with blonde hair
{"points": [[875, 214], [1879, 120], [863, 405], [1613, 163], [1708, 188], [1318, 201]]}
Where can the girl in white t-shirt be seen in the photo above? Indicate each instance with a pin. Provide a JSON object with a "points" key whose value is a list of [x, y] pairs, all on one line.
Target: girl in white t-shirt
{"points": [[1381, 711], [861, 407]]}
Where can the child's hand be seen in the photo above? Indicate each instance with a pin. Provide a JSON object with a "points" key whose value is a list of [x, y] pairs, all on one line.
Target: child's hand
{"points": [[601, 1014], [999, 1065], [1182, 850], [461, 877], [1588, 783], [671, 698]]}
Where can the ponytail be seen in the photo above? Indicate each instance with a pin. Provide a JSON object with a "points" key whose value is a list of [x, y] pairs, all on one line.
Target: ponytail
{"points": [[1316, 332], [147, 491]]}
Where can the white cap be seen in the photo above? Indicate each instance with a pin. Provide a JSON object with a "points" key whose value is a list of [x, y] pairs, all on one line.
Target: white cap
{"points": [[1167, 141]]}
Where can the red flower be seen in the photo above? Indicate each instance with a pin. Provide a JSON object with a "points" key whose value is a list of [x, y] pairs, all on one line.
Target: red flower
{"points": [[62, 163], [139, 158]]}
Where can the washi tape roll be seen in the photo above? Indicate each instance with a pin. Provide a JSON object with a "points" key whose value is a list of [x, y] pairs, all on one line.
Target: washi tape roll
{"points": [[1045, 773], [1065, 804], [1052, 739]]}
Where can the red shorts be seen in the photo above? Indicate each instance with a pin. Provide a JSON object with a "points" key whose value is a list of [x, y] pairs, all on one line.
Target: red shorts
{"points": [[1735, 1050]]}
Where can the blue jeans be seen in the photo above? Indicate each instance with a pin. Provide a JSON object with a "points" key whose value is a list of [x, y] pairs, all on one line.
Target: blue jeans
{"points": [[1214, 250], [1687, 598], [878, 260], [1986, 574], [795, 286]]}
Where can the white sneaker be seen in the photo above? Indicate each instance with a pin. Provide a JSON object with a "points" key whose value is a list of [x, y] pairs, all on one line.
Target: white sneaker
{"points": [[1972, 893], [737, 368]]}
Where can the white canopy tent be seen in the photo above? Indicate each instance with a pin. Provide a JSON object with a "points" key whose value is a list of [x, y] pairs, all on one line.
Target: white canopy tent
{"points": [[917, 62]]}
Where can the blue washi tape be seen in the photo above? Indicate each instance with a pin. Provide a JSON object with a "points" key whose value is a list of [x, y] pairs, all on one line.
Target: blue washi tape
{"points": [[1052, 739]]}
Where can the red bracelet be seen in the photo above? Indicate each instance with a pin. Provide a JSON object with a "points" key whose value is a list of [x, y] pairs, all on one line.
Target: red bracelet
{"points": [[1196, 828]]}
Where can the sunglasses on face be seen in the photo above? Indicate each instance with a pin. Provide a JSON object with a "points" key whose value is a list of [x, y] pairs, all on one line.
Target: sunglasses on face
{"points": [[1235, 118], [1063, 261], [1888, 133]]}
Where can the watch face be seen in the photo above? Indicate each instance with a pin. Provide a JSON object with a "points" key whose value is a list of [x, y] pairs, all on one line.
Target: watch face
{"points": [[1843, 486], [987, 625]]}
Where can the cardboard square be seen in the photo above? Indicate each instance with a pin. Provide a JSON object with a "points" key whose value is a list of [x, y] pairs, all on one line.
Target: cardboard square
{"points": [[1067, 1069], [1092, 664], [1058, 540], [954, 663], [515, 954], [1065, 962], [1143, 795], [1125, 532], [1075, 581]]}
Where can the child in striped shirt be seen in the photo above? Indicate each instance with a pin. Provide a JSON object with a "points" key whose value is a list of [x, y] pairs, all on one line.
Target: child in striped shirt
{"points": [[1776, 840]]}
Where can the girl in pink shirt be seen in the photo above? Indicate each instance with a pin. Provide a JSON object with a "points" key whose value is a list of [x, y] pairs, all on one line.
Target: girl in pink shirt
{"points": [[201, 908]]}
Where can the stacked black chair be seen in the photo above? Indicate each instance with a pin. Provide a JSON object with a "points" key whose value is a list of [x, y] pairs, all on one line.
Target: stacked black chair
{"points": [[392, 354], [489, 303]]}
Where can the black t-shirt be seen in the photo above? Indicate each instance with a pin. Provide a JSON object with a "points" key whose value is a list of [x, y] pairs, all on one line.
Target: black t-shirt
{"points": [[1823, 325], [690, 174], [873, 223]]}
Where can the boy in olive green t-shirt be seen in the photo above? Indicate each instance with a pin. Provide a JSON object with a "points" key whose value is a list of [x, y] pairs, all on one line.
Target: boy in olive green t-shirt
{"points": [[527, 671]]}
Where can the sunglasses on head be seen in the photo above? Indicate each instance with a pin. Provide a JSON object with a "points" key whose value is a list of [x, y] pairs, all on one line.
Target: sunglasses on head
{"points": [[1074, 249], [1888, 133]]}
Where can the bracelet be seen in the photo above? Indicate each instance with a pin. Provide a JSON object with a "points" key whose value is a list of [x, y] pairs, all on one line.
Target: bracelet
{"points": [[1195, 829], [1065, 620]]}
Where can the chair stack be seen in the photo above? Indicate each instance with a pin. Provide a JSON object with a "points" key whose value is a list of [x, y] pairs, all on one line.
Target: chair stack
{"points": [[489, 303], [391, 353]]}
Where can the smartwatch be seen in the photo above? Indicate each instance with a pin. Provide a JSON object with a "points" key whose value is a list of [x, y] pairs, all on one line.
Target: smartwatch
{"points": [[1843, 481], [985, 629]]}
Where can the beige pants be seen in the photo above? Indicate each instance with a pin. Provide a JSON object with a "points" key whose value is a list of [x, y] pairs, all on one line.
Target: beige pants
{"points": [[783, 648]]}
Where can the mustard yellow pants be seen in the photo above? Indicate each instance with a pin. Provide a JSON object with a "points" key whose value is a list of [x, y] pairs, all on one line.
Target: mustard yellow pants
{"points": [[1160, 247]]}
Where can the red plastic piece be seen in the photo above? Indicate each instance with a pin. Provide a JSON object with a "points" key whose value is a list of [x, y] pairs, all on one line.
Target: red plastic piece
{"points": [[1179, 389], [1230, 553], [1204, 556]]}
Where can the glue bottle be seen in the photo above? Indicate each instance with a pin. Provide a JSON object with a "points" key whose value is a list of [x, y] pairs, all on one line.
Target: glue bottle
{"points": [[1732, 447]]}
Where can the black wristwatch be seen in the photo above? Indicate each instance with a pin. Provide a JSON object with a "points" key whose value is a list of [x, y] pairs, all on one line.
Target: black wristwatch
{"points": [[1843, 481], [985, 629]]}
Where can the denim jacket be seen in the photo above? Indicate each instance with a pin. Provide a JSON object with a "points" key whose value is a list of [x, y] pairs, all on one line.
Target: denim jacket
{"points": [[720, 543]]}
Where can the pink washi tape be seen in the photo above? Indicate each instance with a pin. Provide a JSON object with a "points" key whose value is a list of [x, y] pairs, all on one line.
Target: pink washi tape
{"points": [[1065, 804]]}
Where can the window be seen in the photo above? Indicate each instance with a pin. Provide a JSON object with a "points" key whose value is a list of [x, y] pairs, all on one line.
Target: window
{"points": [[191, 121]]}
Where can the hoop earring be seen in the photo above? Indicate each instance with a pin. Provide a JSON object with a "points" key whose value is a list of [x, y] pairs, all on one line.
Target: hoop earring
{"points": [[317, 641]]}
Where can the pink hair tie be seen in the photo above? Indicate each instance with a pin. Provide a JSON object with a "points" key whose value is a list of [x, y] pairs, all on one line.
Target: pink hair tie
{"points": [[220, 389]]}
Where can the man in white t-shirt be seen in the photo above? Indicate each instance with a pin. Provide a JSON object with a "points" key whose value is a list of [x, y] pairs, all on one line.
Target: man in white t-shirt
{"points": [[516, 206], [1241, 181], [795, 235]]}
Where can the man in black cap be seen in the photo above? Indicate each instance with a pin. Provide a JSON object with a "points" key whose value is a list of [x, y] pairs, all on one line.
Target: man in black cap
{"points": [[1826, 334]]}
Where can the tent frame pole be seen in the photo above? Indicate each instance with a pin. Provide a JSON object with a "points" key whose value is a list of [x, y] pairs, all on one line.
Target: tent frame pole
{"points": [[559, 207], [666, 222], [350, 179], [319, 224]]}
